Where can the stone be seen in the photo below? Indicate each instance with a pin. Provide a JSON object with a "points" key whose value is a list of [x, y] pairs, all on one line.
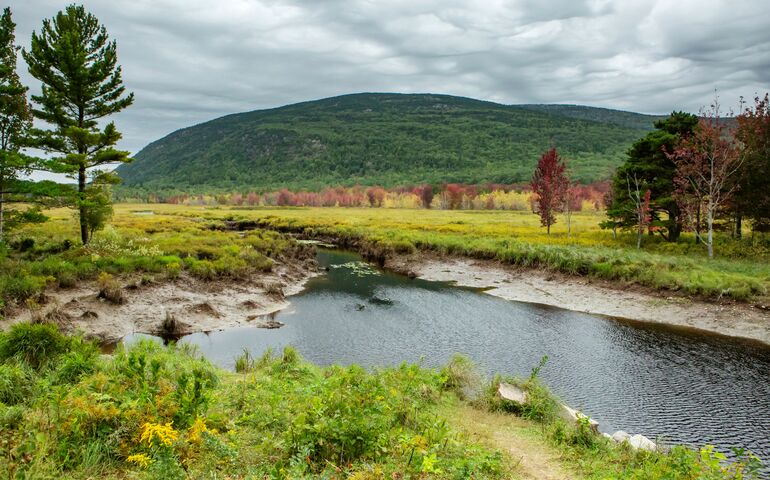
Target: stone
{"points": [[640, 442], [512, 393], [607, 435], [570, 414], [620, 436]]}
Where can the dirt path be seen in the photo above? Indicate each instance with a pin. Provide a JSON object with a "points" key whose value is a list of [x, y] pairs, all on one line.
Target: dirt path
{"points": [[171, 308], [518, 438], [590, 296]]}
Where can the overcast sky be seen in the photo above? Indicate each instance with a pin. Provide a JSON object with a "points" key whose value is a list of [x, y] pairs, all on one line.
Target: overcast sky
{"points": [[189, 61]]}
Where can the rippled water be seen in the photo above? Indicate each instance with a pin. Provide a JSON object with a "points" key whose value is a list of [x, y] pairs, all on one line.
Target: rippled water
{"points": [[679, 385]]}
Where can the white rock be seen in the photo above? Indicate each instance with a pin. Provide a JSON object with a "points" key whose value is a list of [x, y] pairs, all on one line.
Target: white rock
{"points": [[573, 415], [640, 442], [620, 436], [512, 393], [607, 435]]}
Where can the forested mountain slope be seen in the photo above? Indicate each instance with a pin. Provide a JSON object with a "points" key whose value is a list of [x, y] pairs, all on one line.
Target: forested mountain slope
{"points": [[386, 139]]}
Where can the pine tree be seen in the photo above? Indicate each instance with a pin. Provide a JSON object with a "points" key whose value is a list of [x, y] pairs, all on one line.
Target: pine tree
{"points": [[77, 64], [15, 120], [648, 163]]}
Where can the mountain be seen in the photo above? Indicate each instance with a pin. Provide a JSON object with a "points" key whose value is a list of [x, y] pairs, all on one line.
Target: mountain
{"points": [[386, 139]]}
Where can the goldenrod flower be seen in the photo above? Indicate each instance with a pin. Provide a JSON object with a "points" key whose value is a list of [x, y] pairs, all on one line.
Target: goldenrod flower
{"points": [[165, 434], [197, 429], [140, 459]]}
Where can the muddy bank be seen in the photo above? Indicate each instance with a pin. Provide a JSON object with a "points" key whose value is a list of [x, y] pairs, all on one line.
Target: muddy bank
{"points": [[172, 308], [589, 295]]}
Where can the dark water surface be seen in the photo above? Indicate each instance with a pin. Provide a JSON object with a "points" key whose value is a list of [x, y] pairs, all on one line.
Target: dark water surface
{"points": [[681, 386]]}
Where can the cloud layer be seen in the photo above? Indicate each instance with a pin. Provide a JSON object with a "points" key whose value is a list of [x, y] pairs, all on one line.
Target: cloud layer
{"points": [[193, 60]]}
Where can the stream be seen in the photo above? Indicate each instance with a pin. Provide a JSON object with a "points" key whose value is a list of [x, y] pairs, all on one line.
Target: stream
{"points": [[675, 385]]}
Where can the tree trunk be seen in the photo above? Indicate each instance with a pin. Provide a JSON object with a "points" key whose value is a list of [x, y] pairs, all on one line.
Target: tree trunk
{"points": [[738, 225], [710, 220], [548, 228], [2, 214], [697, 224], [674, 224], [639, 236], [82, 207]]}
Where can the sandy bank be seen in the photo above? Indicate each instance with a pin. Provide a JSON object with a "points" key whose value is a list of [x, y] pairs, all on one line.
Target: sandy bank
{"points": [[590, 296], [194, 305]]}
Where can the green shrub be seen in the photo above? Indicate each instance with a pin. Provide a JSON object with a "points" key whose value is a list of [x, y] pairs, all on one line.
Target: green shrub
{"points": [[16, 383], [461, 376], [20, 285], [34, 344], [244, 362], [110, 289], [81, 359]]}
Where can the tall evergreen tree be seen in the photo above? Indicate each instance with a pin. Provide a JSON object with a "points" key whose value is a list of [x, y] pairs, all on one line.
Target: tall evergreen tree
{"points": [[77, 64], [647, 162], [15, 120]]}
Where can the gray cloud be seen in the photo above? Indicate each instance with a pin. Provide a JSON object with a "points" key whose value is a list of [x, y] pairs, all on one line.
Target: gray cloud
{"points": [[193, 60]]}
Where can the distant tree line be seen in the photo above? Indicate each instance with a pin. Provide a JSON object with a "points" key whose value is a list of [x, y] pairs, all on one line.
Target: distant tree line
{"points": [[451, 196]]}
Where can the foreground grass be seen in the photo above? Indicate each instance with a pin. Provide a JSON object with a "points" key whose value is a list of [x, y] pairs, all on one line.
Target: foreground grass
{"points": [[742, 272], [164, 412]]}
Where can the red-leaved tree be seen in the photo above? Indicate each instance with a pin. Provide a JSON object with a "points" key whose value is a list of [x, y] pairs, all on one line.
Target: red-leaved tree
{"points": [[425, 193], [706, 162], [549, 183]]}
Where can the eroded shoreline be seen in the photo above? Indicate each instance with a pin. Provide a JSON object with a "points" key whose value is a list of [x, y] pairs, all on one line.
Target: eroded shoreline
{"points": [[588, 295], [203, 306], [190, 305]]}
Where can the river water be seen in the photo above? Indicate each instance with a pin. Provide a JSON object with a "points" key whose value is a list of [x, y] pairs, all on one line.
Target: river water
{"points": [[675, 385]]}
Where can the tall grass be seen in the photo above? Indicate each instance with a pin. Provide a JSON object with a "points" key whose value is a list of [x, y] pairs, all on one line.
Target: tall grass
{"points": [[166, 247], [741, 273]]}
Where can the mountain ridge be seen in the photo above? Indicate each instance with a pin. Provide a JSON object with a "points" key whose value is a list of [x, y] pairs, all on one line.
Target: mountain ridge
{"points": [[383, 138]]}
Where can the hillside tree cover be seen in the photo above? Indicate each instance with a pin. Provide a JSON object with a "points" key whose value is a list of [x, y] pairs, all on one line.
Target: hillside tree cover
{"points": [[81, 84], [549, 183], [648, 163], [370, 139], [15, 120]]}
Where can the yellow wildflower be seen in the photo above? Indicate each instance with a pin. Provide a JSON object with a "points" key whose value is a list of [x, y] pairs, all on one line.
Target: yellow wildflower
{"points": [[165, 434], [140, 459], [197, 429]]}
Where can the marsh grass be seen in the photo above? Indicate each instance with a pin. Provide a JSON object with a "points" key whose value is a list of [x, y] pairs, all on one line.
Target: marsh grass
{"points": [[158, 246], [741, 271]]}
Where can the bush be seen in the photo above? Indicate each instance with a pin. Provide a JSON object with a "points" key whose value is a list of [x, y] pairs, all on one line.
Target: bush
{"points": [[81, 360], [19, 286], [461, 376], [16, 383], [110, 289], [34, 344]]}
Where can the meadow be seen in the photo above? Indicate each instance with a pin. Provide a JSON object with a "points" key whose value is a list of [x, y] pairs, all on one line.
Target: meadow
{"points": [[741, 271]]}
